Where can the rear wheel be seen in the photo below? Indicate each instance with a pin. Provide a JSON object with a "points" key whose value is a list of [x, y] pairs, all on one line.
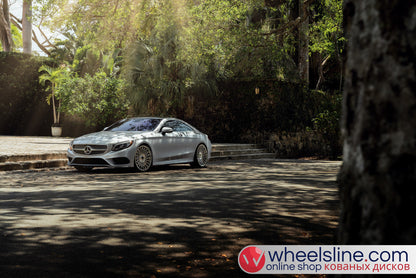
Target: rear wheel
{"points": [[201, 156], [143, 159]]}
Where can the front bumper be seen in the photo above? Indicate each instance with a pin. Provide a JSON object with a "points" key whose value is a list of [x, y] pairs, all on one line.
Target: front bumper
{"points": [[114, 159]]}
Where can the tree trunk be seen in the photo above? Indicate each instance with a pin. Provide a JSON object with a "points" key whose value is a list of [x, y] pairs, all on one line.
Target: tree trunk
{"points": [[378, 177], [304, 41], [5, 30], [27, 26]]}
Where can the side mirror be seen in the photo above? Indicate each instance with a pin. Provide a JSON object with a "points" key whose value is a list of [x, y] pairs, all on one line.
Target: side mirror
{"points": [[166, 129]]}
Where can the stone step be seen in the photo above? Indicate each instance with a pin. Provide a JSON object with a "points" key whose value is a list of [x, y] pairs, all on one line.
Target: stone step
{"points": [[230, 146], [243, 156], [32, 157], [237, 152], [34, 164]]}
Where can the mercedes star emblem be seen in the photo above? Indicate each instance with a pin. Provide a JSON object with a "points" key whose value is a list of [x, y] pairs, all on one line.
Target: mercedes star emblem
{"points": [[87, 150]]}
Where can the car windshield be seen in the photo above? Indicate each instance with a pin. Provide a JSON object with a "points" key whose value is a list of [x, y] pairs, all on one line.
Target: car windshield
{"points": [[136, 124]]}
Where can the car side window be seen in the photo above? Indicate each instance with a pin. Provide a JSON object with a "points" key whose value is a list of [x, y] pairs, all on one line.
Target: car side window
{"points": [[178, 126]]}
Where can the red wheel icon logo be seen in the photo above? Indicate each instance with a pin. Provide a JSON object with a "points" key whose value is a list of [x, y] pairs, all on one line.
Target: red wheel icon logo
{"points": [[251, 259]]}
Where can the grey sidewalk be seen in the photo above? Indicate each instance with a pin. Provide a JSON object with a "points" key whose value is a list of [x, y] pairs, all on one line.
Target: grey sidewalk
{"points": [[25, 145]]}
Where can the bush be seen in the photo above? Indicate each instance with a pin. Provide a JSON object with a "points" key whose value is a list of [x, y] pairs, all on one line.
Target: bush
{"points": [[238, 114], [327, 123], [297, 144], [23, 109], [99, 100]]}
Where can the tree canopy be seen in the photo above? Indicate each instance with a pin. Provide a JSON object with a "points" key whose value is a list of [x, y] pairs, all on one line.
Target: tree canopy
{"points": [[232, 38], [167, 55]]}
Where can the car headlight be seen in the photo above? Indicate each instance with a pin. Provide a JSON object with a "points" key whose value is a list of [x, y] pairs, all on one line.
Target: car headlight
{"points": [[121, 146]]}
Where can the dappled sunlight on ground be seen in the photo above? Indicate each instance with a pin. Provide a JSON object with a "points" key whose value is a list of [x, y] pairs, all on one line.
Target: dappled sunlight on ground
{"points": [[167, 222]]}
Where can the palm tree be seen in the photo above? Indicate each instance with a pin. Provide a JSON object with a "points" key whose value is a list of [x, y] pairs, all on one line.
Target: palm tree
{"points": [[54, 76]]}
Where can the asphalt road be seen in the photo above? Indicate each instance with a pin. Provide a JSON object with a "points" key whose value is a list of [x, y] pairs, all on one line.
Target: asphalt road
{"points": [[172, 221]]}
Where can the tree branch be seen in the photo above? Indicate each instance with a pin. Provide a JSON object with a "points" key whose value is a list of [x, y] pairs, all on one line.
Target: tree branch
{"points": [[41, 46], [46, 38], [289, 26], [18, 23], [286, 27]]}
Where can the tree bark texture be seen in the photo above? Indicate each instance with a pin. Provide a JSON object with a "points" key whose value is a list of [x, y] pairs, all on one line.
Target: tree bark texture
{"points": [[27, 26], [378, 176], [5, 31]]}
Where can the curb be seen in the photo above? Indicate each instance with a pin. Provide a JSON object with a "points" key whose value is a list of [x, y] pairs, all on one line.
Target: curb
{"points": [[28, 165]]}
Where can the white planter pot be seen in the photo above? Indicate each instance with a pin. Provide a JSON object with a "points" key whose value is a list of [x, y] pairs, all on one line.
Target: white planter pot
{"points": [[56, 131]]}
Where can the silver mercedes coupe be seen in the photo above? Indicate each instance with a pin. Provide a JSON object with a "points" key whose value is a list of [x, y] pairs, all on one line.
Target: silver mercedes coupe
{"points": [[141, 143]]}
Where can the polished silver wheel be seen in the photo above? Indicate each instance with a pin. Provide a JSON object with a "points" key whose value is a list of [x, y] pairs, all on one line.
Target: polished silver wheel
{"points": [[201, 156], [143, 158]]}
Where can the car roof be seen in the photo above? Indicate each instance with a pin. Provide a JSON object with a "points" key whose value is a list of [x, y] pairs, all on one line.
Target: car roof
{"points": [[165, 119], [156, 118]]}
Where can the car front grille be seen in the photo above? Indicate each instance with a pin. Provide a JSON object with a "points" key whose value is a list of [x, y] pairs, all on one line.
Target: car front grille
{"points": [[92, 149]]}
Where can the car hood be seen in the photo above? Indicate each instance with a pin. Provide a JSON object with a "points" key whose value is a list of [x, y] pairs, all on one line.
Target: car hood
{"points": [[109, 137]]}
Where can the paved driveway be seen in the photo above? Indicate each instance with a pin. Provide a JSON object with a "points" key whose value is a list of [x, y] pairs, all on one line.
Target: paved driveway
{"points": [[172, 221]]}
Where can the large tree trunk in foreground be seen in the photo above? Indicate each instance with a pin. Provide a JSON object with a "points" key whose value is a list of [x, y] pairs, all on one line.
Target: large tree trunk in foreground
{"points": [[378, 177]]}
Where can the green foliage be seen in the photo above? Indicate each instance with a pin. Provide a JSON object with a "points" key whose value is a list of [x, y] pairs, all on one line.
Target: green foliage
{"points": [[52, 78], [86, 58], [327, 123], [248, 40], [198, 60], [159, 79], [326, 33], [105, 24], [237, 40], [186, 47], [98, 99], [23, 109], [87, 83], [16, 37]]}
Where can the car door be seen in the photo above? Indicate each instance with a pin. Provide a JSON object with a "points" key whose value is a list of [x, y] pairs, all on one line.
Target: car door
{"points": [[188, 140], [178, 145]]}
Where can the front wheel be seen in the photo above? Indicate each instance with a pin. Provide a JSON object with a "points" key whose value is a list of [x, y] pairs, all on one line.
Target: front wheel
{"points": [[143, 158], [201, 156]]}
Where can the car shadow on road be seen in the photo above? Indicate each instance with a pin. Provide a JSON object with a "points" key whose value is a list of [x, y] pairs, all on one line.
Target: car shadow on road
{"points": [[170, 222], [111, 171]]}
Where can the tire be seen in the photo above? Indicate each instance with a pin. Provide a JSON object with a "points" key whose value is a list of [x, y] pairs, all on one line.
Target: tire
{"points": [[143, 158], [200, 157]]}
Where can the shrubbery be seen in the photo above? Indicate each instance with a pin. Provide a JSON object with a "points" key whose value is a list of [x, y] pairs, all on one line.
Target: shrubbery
{"points": [[23, 109], [99, 99]]}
